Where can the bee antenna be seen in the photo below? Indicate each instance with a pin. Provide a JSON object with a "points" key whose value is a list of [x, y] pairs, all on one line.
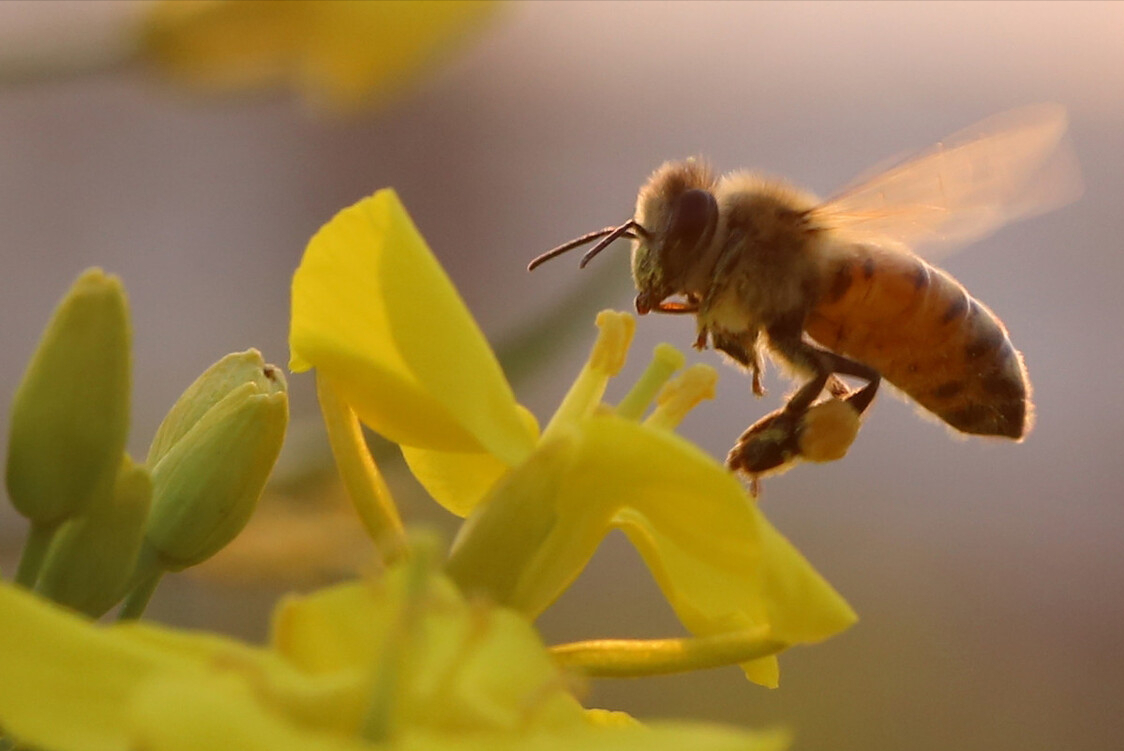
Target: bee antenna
{"points": [[609, 234]]}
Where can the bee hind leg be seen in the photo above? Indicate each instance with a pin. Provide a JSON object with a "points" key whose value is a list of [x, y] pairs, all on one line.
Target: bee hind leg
{"points": [[829, 364], [781, 438]]}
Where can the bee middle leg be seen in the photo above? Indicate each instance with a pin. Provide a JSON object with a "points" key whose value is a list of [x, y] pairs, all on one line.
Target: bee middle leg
{"points": [[824, 365], [746, 356]]}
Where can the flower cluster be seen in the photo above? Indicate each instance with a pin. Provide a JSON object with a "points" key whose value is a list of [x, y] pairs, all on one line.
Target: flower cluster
{"points": [[337, 54], [437, 649], [394, 347], [104, 527]]}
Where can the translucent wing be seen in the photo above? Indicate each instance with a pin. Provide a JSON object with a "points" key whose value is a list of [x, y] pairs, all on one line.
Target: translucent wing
{"points": [[1007, 167]]}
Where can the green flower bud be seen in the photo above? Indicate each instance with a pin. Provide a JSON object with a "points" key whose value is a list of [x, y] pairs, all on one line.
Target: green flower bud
{"points": [[212, 456], [92, 556], [209, 389], [70, 415]]}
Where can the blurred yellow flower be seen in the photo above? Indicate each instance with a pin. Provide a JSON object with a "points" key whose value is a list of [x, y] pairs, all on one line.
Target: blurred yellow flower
{"points": [[393, 343], [339, 54], [402, 662]]}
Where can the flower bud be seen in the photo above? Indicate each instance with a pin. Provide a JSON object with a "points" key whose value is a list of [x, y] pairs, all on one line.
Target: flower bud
{"points": [[212, 456], [70, 415], [92, 557], [209, 389]]}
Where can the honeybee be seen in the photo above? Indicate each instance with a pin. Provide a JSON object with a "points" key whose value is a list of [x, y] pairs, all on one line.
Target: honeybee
{"points": [[833, 288]]}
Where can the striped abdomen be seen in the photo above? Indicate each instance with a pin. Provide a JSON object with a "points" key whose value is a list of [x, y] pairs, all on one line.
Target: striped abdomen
{"points": [[926, 335]]}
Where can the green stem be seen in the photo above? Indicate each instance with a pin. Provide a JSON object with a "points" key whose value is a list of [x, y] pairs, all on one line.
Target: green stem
{"points": [[137, 600], [34, 551], [386, 686]]}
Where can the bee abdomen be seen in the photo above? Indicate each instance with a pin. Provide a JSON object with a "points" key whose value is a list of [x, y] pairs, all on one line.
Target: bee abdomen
{"points": [[991, 393], [928, 337]]}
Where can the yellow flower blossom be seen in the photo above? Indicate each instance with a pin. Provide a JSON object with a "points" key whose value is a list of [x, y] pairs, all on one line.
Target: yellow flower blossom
{"points": [[340, 54], [401, 662], [393, 343]]}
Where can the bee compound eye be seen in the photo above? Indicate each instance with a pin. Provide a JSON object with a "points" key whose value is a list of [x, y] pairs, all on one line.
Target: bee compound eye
{"points": [[693, 216]]}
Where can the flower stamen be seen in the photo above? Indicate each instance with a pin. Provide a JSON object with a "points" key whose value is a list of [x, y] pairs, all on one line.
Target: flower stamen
{"points": [[681, 395], [665, 361], [605, 361], [365, 484], [636, 658]]}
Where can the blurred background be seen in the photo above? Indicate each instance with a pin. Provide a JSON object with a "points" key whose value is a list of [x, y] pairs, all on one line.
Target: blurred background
{"points": [[989, 577]]}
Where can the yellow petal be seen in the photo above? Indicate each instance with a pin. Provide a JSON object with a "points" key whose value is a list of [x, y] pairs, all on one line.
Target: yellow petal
{"points": [[218, 711], [65, 684], [464, 666], [331, 629], [720, 564], [522, 547], [374, 311], [93, 673], [333, 701], [623, 736], [460, 481]]}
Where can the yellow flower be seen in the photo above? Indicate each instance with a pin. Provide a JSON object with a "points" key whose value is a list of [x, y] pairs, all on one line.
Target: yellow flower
{"points": [[394, 345], [338, 53], [402, 662]]}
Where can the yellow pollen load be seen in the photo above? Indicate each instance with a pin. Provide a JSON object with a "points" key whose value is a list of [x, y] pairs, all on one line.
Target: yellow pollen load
{"points": [[829, 429]]}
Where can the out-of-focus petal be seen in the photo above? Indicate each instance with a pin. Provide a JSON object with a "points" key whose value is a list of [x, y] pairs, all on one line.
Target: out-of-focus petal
{"points": [[340, 54], [218, 711], [468, 666], [374, 311], [64, 684]]}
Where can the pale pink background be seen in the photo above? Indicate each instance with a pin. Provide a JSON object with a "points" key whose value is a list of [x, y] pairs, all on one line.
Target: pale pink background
{"points": [[988, 576]]}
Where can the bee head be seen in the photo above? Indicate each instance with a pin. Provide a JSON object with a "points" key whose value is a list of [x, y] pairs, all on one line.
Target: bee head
{"points": [[675, 222], [679, 215]]}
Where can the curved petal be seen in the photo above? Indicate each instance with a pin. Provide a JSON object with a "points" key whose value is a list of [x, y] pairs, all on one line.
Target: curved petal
{"points": [[719, 562], [721, 565], [470, 667], [218, 711], [459, 481], [88, 673], [375, 312]]}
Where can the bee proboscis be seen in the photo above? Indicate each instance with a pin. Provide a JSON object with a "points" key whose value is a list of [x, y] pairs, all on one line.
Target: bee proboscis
{"points": [[833, 288]]}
